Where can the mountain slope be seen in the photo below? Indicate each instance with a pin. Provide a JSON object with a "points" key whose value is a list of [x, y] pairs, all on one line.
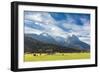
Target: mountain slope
{"points": [[75, 42], [71, 41], [34, 45]]}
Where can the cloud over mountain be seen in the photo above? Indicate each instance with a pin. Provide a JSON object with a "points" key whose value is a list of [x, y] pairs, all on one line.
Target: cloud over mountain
{"points": [[58, 24]]}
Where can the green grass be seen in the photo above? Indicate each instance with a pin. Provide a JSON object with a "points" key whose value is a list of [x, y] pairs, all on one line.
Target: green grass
{"points": [[57, 56]]}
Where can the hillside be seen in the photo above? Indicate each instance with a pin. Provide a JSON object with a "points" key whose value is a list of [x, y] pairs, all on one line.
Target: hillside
{"points": [[33, 45]]}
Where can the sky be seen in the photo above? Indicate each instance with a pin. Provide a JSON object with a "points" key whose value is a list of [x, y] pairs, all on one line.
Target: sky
{"points": [[58, 24]]}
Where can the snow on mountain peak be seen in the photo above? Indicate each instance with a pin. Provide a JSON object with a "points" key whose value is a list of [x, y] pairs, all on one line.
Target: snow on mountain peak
{"points": [[44, 34]]}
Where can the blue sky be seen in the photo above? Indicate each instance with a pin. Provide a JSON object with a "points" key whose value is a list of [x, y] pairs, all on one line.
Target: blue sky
{"points": [[58, 24]]}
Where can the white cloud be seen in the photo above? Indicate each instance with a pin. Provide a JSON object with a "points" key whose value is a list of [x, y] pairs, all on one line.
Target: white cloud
{"points": [[85, 39], [41, 17], [83, 31], [29, 30], [44, 20]]}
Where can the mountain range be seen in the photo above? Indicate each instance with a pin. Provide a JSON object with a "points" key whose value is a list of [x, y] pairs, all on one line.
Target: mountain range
{"points": [[69, 44]]}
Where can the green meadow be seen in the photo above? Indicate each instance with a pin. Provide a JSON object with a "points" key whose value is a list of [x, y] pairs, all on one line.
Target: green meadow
{"points": [[53, 57]]}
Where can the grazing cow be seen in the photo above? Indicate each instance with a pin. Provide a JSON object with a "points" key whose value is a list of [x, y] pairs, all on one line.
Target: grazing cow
{"points": [[34, 54]]}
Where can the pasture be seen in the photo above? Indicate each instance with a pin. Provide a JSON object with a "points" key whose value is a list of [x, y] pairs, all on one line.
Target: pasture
{"points": [[57, 56]]}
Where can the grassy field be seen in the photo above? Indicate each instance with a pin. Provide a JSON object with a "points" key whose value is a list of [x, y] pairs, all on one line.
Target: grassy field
{"points": [[57, 56]]}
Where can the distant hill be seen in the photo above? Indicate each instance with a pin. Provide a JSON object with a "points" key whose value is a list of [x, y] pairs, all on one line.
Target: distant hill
{"points": [[32, 43]]}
